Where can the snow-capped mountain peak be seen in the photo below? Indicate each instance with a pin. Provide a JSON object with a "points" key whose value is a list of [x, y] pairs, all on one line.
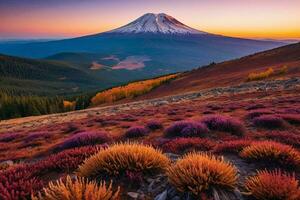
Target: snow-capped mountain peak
{"points": [[157, 23]]}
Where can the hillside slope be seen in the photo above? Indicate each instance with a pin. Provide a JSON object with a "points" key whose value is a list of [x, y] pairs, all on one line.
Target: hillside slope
{"points": [[233, 72], [42, 77]]}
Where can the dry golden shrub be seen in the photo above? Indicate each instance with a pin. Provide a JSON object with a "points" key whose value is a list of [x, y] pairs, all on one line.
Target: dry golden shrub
{"points": [[274, 185], [79, 189], [260, 75], [272, 153], [131, 90], [200, 172], [69, 105], [125, 157]]}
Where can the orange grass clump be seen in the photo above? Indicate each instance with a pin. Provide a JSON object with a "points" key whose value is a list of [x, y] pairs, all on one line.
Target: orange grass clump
{"points": [[261, 75], [131, 90], [119, 159], [274, 185], [200, 172], [272, 153], [69, 105], [79, 189]]}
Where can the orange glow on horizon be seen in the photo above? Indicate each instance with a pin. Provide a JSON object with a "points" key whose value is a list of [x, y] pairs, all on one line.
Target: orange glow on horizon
{"points": [[250, 19]]}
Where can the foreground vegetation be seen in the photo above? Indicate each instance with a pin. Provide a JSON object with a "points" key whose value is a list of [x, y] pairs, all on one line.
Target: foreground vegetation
{"points": [[220, 148]]}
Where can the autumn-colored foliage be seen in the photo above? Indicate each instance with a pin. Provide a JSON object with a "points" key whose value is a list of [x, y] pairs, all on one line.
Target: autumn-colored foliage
{"points": [[269, 122], [119, 158], [154, 125], [291, 118], [285, 137], [181, 145], [199, 172], [257, 113], [186, 129], [224, 123], [232, 146], [261, 75], [272, 153], [136, 131], [69, 105], [78, 189], [131, 90], [18, 183], [273, 185], [85, 139]]}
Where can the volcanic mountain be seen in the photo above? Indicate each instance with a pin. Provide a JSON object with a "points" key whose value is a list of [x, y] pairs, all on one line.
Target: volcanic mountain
{"points": [[152, 45], [157, 23]]}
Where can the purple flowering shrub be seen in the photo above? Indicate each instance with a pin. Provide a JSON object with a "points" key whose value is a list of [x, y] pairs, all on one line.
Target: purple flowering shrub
{"points": [[86, 138], [37, 136], [224, 124], [136, 131], [8, 137], [186, 129], [269, 122], [154, 125]]}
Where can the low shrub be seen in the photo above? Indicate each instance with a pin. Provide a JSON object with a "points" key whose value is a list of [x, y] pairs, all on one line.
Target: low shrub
{"points": [[8, 137], [79, 189], [255, 106], [198, 173], [136, 131], [291, 118], [154, 125], [273, 185], [119, 158], [283, 137], [224, 124], [66, 161], [269, 122], [18, 183], [233, 146], [257, 113], [260, 75], [186, 129], [84, 139], [37, 136], [183, 145], [272, 154]]}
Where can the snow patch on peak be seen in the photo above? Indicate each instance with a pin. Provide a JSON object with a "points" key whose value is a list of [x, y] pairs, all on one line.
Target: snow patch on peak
{"points": [[157, 23]]}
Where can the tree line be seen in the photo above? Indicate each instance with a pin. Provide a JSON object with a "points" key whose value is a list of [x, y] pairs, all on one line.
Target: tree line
{"points": [[14, 106]]}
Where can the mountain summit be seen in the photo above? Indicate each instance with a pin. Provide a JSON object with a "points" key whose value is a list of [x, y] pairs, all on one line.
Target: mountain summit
{"points": [[157, 23]]}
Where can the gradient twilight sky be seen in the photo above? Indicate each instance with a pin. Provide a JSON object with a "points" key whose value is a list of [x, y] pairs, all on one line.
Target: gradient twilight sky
{"points": [[70, 18]]}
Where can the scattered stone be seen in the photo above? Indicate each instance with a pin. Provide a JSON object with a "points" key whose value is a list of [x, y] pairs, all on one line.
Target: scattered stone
{"points": [[133, 195], [162, 196]]}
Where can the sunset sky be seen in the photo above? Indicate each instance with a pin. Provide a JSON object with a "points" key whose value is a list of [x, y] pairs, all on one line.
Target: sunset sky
{"points": [[70, 18]]}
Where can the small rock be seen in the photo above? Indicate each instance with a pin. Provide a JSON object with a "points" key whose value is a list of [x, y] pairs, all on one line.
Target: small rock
{"points": [[7, 162], [133, 195], [162, 196]]}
